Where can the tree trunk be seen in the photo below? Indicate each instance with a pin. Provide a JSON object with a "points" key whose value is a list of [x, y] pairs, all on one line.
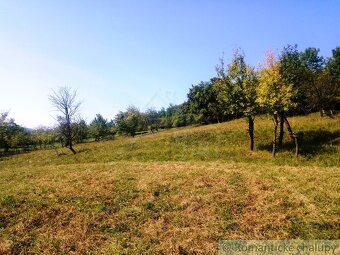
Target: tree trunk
{"points": [[292, 136], [321, 112], [71, 148], [251, 132], [280, 142], [275, 131]]}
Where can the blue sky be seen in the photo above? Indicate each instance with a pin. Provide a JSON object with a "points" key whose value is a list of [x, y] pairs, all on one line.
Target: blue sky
{"points": [[145, 53]]}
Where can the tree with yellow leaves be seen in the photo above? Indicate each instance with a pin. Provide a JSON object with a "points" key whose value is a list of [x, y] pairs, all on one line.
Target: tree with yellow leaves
{"points": [[275, 95]]}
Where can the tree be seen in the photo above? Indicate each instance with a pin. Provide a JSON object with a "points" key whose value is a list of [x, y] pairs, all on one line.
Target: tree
{"points": [[81, 130], [323, 92], [66, 103], [99, 127], [202, 101], [333, 64], [313, 68], [152, 118], [4, 131], [333, 68], [293, 72], [43, 136], [12, 136], [237, 90], [130, 122], [275, 95]]}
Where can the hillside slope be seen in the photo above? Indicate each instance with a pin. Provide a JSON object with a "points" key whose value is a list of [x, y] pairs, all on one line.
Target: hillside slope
{"points": [[177, 190]]}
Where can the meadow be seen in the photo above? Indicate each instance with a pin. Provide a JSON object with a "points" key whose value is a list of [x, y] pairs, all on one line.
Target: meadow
{"points": [[178, 191]]}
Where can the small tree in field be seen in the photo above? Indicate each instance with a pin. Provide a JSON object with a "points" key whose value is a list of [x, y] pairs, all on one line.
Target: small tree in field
{"points": [[129, 122], [236, 88], [65, 102], [275, 94], [99, 127]]}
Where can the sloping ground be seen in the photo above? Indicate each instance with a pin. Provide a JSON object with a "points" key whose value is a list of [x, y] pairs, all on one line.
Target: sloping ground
{"points": [[177, 191]]}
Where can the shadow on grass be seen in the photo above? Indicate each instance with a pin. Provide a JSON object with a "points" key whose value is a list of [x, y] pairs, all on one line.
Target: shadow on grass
{"points": [[311, 142]]}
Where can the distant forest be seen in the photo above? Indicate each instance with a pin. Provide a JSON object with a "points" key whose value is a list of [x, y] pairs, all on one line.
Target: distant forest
{"points": [[292, 83]]}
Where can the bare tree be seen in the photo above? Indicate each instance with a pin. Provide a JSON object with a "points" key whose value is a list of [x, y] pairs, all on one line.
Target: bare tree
{"points": [[65, 102]]}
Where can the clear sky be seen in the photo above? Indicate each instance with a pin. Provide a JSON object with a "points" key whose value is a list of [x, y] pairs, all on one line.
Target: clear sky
{"points": [[145, 53]]}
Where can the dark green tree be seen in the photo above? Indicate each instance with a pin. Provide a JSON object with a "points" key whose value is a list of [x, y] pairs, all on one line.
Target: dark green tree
{"points": [[99, 128], [202, 102], [313, 68]]}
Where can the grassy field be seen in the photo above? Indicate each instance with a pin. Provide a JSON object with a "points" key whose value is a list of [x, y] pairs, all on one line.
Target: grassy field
{"points": [[175, 192]]}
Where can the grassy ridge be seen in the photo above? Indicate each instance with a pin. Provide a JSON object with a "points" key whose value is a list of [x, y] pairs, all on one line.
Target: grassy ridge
{"points": [[319, 139], [175, 191]]}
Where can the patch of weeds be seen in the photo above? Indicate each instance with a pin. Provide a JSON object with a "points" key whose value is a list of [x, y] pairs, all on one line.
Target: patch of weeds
{"points": [[36, 222], [238, 182], [148, 206], [65, 200], [10, 201], [107, 228], [98, 207], [124, 192], [299, 228], [313, 230], [306, 229], [235, 178], [39, 204], [156, 193], [3, 222], [227, 212], [160, 190], [133, 214], [116, 229], [288, 204], [47, 190], [122, 227], [56, 243], [21, 244]]}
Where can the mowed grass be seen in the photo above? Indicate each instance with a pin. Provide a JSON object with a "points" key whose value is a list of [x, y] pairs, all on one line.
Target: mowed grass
{"points": [[175, 192]]}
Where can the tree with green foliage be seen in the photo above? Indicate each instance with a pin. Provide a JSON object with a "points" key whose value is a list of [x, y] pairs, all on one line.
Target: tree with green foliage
{"points": [[43, 137], [12, 136], [275, 95], [293, 72], [333, 64], [152, 118], [202, 101], [333, 89], [81, 131], [99, 128], [313, 68], [237, 90], [130, 122]]}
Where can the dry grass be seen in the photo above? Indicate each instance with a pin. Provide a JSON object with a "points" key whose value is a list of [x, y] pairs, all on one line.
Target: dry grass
{"points": [[119, 197], [155, 208]]}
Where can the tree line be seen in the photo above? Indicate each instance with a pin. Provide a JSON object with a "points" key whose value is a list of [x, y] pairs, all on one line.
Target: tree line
{"points": [[292, 83]]}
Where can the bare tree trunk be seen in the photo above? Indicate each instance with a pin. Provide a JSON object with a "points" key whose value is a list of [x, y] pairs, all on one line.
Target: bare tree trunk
{"points": [[292, 136], [280, 142], [251, 132], [275, 131]]}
